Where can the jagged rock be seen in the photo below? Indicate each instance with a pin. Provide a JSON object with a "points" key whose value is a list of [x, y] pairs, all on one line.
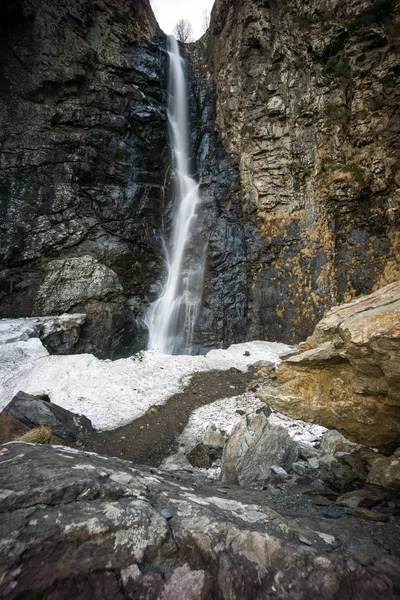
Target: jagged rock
{"points": [[84, 134], [386, 471], [213, 437], [85, 284], [59, 334], [333, 441], [202, 456], [76, 524], [253, 448], [319, 196], [354, 389], [32, 411]]}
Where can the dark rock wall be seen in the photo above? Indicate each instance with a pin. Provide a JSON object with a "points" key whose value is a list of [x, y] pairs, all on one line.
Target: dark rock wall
{"points": [[223, 313], [84, 155], [307, 105]]}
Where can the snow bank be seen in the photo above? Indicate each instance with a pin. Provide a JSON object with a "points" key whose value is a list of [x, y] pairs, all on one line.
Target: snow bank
{"points": [[110, 393], [222, 413]]}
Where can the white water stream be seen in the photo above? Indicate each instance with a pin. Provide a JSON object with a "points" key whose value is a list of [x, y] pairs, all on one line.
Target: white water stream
{"points": [[171, 318]]}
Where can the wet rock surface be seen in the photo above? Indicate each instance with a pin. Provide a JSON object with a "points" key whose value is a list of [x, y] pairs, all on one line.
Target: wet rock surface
{"points": [[84, 138], [78, 523], [346, 375]]}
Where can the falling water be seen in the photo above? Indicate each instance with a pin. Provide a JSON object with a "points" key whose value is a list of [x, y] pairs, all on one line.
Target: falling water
{"points": [[171, 318]]}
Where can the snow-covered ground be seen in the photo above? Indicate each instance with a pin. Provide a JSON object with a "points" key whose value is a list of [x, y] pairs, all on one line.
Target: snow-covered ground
{"points": [[110, 393], [223, 415]]}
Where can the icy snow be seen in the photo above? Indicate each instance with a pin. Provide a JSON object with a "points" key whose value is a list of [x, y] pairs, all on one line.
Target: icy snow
{"points": [[222, 413], [109, 393]]}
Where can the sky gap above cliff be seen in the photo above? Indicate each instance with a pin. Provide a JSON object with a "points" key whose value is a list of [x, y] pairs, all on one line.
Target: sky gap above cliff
{"points": [[168, 12]]}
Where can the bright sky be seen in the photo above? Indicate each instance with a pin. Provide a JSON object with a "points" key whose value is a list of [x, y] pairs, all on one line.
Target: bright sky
{"points": [[168, 12]]}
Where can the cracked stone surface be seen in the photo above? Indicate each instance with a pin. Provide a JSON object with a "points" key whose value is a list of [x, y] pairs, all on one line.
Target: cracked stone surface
{"points": [[75, 522]]}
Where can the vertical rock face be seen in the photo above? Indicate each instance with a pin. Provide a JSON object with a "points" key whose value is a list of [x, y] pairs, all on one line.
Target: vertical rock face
{"points": [[83, 135], [306, 98], [223, 317]]}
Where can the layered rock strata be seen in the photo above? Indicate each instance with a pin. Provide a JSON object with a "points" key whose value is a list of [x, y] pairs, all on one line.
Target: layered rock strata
{"points": [[347, 374], [306, 105], [83, 135]]}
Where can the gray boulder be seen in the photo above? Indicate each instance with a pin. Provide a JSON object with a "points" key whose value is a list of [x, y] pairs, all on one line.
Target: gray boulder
{"points": [[253, 448]]}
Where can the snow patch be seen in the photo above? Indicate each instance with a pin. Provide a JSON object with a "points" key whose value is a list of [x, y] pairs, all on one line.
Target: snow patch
{"points": [[110, 393]]}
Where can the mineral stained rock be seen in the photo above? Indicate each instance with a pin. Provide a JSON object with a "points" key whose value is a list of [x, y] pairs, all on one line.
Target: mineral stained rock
{"points": [[76, 524], [347, 374], [313, 137]]}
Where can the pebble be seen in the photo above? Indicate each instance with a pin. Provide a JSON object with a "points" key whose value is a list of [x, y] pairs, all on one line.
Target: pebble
{"points": [[167, 514], [304, 540], [278, 470], [331, 513]]}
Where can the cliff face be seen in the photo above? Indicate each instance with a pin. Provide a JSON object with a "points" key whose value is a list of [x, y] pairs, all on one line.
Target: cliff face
{"points": [[307, 105], [83, 135]]}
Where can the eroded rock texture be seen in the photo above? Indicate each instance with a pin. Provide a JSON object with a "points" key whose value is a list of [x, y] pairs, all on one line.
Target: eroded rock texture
{"points": [[83, 135], [307, 95], [76, 524], [347, 374]]}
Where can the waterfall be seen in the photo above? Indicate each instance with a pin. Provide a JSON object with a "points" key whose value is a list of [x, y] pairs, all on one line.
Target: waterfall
{"points": [[171, 318]]}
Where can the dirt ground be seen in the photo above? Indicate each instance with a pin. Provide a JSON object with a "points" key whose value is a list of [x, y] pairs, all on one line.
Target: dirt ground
{"points": [[152, 437]]}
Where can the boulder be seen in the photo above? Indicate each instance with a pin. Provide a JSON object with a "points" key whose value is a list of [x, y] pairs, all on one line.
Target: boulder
{"points": [[386, 471], [253, 448], [26, 411], [346, 376], [79, 525], [203, 456], [59, 334], [213, 437]]}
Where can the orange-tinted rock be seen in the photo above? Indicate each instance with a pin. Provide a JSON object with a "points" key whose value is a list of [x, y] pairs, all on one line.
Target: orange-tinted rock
{"points": [[347, 374]]}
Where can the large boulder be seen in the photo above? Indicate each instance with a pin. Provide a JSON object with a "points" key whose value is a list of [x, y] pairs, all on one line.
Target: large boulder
{"points": [[27, 411], [346, 376], [79, 525], [253, 448]]}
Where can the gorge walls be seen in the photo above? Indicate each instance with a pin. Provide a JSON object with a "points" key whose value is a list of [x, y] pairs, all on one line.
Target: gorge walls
{"points": [[295, 110], [307, 106]]}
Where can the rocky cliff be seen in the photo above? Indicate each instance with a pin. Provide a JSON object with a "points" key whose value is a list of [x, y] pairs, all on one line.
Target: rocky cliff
{"points": [[295, 144], [307, 95], [83, 135]]}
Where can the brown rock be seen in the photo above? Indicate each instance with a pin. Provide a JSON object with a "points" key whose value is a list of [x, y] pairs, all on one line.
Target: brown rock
{"points": [[386, 472], [347, 375]]}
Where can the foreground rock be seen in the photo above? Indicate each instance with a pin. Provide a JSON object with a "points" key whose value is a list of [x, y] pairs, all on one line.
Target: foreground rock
{"points": [[254, 449], [25, 412], [77, 524], [347, 374]]}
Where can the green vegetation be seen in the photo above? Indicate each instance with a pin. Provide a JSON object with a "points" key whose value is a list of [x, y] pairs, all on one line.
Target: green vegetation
{"points": [[353, 168], [337, 67], [337, 114]]}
